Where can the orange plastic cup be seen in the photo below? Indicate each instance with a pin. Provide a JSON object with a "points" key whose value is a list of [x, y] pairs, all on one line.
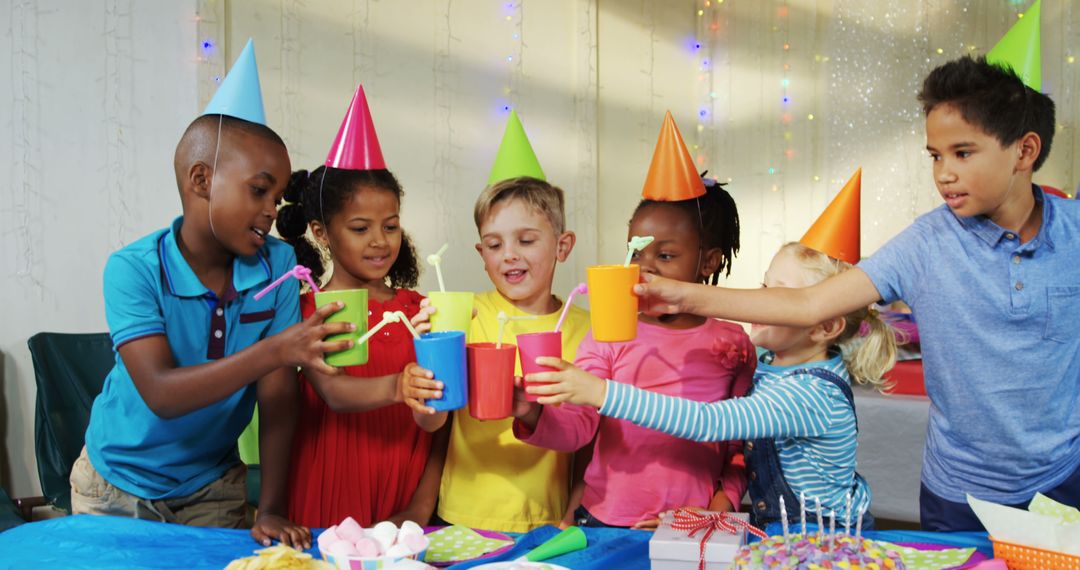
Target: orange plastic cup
{"points": [[491, 379], [613, 307]]}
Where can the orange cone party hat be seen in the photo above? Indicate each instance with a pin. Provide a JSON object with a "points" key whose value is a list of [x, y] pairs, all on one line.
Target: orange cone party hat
{"points": [[672, 175], [836, 231], [356, 146]]}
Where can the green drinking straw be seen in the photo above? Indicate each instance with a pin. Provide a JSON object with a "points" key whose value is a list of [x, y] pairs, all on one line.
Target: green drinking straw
{"points": [[637, 243]]}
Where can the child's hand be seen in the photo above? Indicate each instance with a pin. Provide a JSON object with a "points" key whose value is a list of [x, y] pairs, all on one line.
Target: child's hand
{"points": [[568, 384], [417, 384], [659, 296], [524, 410], [302, 344], [269, 527], [421, 321]]}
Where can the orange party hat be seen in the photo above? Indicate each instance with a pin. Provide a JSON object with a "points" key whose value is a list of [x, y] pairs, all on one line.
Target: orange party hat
{"points": [[836, 231], [672, 175]]}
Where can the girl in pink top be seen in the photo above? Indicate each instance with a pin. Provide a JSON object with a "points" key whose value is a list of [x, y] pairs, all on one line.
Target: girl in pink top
{"points": [[635, 473]]}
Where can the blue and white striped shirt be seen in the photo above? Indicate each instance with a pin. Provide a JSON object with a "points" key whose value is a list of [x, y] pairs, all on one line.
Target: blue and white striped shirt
{"points": [[809, 417]]}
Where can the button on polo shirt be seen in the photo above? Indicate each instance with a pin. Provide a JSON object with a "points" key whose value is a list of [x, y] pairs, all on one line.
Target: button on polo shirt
{"points": [[150, 289]]}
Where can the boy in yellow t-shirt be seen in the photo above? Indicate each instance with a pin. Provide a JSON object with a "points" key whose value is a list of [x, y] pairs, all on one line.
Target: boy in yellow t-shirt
{"points": [[491, 480]]}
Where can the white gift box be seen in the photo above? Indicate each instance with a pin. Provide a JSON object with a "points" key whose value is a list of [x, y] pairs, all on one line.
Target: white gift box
{"points": [[671, 549]]}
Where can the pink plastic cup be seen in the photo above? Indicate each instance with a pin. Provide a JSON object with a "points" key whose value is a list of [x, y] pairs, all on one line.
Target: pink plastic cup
{"points": [[491, 379], [533, 345]]}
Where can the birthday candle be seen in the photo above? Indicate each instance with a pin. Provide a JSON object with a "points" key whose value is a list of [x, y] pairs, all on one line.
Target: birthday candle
{"points": [[847, 515], [832, 529], [802, 511], [784, 524], [858, 533], [820, 523]]}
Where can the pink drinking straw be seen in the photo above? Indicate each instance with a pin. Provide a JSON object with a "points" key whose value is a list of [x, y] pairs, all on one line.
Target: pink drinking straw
{"points": [[299, 272], [581, 288]]}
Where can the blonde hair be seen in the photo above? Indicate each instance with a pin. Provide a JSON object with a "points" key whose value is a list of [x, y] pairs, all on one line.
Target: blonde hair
{"points": [[868, 343], [535, 193]]}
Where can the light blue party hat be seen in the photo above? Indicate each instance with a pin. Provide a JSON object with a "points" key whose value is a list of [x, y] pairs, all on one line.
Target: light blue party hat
{"points": [[239, 94]]}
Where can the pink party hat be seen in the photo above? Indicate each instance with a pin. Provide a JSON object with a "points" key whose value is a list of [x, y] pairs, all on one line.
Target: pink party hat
{"points": [[356, 146]]}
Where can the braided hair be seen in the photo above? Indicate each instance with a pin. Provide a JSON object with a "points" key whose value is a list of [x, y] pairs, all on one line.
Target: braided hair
{"points": [[322, 193], [717, 222]]}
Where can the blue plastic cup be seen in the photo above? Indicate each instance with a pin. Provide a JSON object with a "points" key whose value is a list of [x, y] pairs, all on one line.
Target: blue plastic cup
{"points": [[443, 353]]}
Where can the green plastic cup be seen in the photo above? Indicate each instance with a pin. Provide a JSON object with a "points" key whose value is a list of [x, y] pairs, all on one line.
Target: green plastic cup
{"points": [[356, 312], [454, 310]]}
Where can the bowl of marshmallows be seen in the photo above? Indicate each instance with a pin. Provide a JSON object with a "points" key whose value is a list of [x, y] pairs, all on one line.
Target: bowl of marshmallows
{"points": [[348, 546]]}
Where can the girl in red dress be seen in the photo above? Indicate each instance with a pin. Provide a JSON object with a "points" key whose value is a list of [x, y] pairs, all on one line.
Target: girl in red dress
{"points": [[357, 451]]}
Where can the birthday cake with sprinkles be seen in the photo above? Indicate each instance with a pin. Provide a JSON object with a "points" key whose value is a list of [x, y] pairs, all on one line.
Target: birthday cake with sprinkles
{"points": [[815, 552]]}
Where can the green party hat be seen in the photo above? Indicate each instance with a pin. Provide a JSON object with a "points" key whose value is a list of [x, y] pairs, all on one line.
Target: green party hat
{"points": [[516, 157], [1019, 48], [570, 539]]}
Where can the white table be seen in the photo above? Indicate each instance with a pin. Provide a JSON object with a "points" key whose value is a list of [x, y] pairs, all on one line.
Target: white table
{"points": [[892, 433]]}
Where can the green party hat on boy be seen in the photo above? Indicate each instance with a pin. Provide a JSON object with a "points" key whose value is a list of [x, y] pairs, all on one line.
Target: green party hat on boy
{"points": [[239, 94], [516, 157], [1020, 48]]}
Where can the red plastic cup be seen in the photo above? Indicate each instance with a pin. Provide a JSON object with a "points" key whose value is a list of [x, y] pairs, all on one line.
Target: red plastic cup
{"points": [[491, 379], [534, 345]]}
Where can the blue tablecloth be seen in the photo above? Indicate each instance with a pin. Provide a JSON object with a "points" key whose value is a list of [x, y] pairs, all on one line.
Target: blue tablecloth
{"points": [[85, 541]]}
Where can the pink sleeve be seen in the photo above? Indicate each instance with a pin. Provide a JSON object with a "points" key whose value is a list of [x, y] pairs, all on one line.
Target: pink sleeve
{"points": [[733, 478], [566, 428], [569, 427]]}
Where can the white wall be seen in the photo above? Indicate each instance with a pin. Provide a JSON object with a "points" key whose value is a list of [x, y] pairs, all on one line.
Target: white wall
{"points": [[96, 93]]}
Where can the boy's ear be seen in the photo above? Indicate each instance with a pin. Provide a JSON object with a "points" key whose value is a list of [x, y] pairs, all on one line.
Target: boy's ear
{"points": [[828, 330], [564, 245], [710, 262], [199, 178], [1029, 147]]}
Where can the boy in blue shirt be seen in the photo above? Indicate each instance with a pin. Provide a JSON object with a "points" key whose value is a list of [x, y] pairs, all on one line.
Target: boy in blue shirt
{"points": [[992, 278], [195, 350]]}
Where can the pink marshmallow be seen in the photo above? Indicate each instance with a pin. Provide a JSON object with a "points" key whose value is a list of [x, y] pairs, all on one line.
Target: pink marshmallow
{"points": [[416, 544], [367, 548], [342, 548], [350, 530], [328, 537]]}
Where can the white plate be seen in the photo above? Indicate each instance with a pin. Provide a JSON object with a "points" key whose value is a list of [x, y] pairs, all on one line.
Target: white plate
{"points": [[523, 565]]}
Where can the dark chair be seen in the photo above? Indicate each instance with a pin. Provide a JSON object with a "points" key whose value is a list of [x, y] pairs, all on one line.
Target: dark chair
{"points": [[9, 513], [70, 370]]}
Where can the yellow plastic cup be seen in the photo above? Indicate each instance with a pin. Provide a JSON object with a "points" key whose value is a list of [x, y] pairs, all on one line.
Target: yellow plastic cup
{"points": [[454, 310], [355, 311], [613, 307]]}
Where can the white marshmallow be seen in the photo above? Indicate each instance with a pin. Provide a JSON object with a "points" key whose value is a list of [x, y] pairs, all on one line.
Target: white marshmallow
{"points": [[367, 548], [328, 537], [342, 548], [398, 551]]}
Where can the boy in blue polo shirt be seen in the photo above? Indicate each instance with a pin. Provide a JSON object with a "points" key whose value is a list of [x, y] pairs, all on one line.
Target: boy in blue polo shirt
{"points": [[993, 279], [195, 350]]}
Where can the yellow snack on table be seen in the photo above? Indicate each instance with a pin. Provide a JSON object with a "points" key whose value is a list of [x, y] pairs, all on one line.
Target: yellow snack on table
{"points": [[278, 557]]}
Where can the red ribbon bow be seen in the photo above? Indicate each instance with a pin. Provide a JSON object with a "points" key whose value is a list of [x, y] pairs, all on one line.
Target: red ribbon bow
{"points": [[693, 521]]}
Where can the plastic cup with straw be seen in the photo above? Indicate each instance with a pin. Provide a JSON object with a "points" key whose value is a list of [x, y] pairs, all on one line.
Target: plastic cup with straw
{"points": [[354, 311], [491, 373], [613, 306], [453, 308]]}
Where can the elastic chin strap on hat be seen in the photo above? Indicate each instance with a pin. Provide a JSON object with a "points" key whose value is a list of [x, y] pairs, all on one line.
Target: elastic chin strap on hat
{"points": [[213, 175]]}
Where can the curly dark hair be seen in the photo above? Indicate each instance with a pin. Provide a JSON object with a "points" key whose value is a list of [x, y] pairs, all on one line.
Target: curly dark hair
{"points": [[302, 206], [717, 220], [993, 98]]}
